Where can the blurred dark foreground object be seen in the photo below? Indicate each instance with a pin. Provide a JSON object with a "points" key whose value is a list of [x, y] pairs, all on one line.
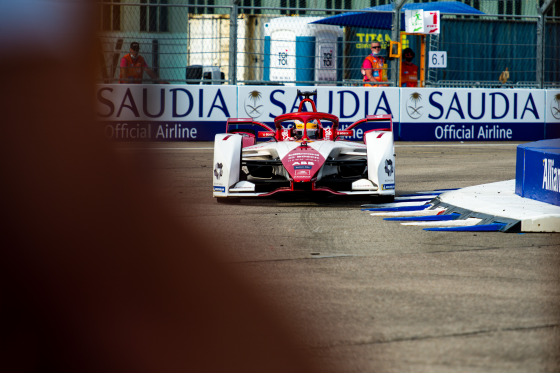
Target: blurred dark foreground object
{"points": [[96, 275]]}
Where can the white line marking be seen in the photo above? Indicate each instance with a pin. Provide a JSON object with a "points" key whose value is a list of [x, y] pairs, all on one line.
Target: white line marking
{"points": [[183, 149], [396, 145], [167, 149], [416, 197], [452, 223], [417, 213], [457, 145], [397, 204]]}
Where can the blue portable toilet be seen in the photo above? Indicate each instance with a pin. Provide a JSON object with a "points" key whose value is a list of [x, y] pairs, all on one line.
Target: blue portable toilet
{"points": [[297, 51]]}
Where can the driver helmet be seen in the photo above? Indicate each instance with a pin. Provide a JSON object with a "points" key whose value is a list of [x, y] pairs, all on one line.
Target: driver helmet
{"points": [[311, 129]]}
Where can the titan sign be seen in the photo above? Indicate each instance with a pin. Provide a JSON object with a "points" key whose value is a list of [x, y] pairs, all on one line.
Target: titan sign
{"points": [[198, 112]]}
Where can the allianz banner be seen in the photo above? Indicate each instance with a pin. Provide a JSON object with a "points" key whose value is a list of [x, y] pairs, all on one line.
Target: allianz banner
{"points": [[198, 112]]}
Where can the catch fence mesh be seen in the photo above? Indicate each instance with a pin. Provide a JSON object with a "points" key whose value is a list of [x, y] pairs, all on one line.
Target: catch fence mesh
{"points": [[273, 42]]}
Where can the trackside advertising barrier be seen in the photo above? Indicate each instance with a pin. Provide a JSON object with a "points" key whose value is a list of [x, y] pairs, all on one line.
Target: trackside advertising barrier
{"points": [[537, 174], [165, 112], [552, 114], [198, 112], [349, 104], [472, 114]]}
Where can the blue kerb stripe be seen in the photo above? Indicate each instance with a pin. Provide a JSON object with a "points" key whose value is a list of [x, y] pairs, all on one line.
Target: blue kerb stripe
{"points": [[441, 217], [489, 227], [398, 208]]}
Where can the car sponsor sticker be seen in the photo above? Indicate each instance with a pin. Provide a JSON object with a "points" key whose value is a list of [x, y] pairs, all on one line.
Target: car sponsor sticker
{"points": [[218, 170], [301, 173], [302, 166]]}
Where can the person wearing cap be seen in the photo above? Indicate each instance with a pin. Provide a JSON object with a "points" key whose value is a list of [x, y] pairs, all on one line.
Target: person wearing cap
{"points": [[409, 71], [133, 66], [372, 67]]}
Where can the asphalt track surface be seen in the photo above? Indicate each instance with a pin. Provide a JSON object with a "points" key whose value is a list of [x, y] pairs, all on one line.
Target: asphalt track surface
{"points": [[371, 295]]}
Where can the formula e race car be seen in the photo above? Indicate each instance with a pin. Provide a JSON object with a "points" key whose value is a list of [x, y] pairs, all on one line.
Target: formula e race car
{"points": [[305, 153]]}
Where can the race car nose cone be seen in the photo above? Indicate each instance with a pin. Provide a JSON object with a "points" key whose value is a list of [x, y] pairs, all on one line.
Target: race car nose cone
{"points": [[303, 163]]}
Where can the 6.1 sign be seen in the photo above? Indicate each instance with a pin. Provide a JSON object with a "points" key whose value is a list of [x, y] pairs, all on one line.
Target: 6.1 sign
{"points": [[438, 59]]}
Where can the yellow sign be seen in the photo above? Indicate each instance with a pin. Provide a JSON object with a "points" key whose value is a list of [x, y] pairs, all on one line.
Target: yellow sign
{"points": [[365, 40]]}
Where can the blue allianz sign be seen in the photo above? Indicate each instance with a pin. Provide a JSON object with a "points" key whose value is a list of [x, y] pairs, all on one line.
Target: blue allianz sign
{"points": [[538, 171]]}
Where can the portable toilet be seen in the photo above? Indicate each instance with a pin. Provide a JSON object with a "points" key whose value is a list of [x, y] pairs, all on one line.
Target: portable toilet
{"points": [[297, 51]]}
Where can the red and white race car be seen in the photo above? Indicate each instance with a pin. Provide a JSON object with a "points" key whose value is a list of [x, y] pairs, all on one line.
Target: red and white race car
{"points": [[305, 153]]}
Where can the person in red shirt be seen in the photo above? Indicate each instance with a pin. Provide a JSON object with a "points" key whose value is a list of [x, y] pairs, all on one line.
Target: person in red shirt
{"points": [[409, 71], [372, 67], [133, 66]]}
